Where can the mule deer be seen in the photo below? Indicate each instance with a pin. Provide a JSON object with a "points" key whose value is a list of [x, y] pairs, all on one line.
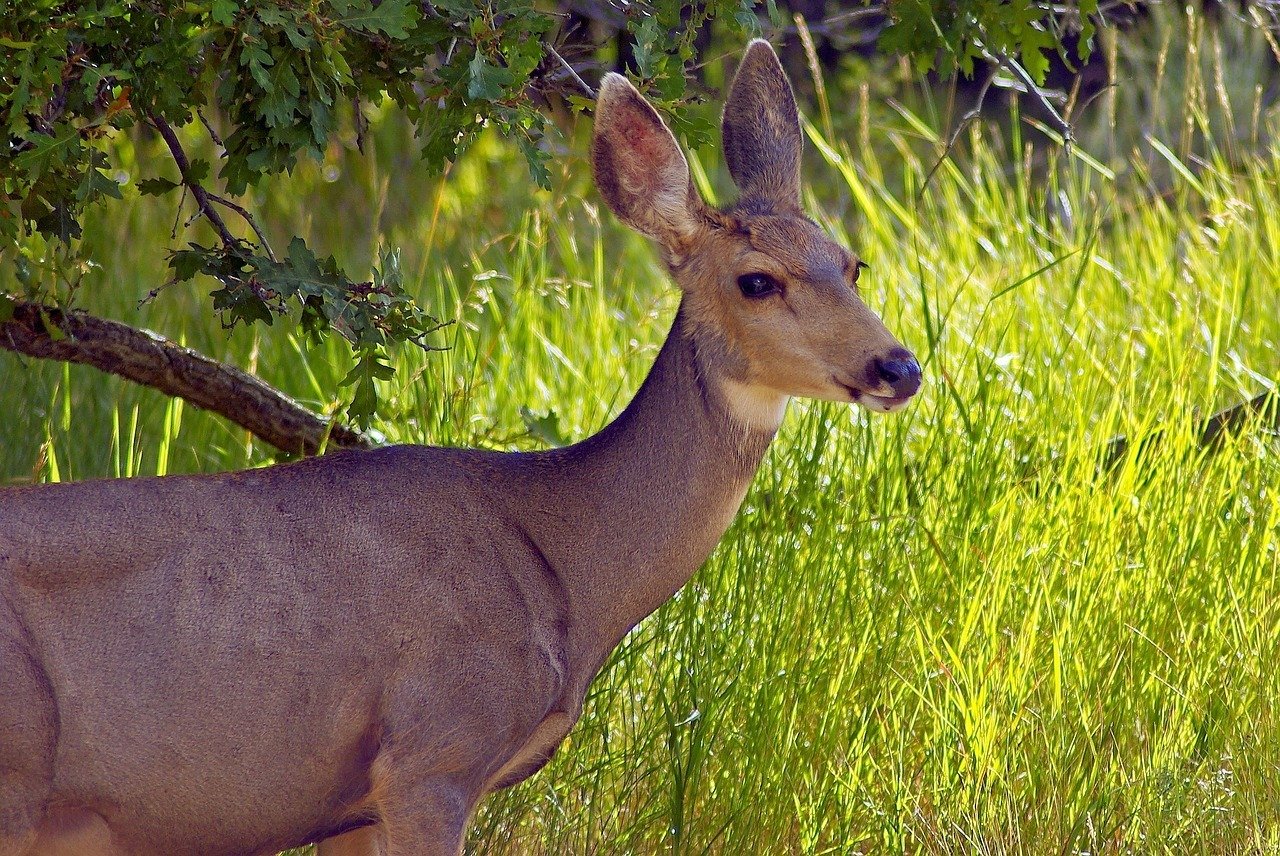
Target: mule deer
{"points": [[355, 649]]}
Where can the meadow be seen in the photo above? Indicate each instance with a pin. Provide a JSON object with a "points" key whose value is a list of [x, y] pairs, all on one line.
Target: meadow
{"points": [[949, 630]]}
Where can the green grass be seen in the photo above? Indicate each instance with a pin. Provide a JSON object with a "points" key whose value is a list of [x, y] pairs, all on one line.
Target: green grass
{"points": [[943, 631]]}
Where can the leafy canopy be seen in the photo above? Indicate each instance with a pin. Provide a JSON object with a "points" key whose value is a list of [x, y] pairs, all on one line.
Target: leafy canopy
{"points": [[284, 76]]}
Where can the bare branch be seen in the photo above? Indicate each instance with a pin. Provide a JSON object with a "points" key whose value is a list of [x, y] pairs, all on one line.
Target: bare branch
{"points": [[197, 191], [591, 93], [213, 135], [146, 358], [973, 114], [831, 24], [253, 224], [1015, 68]]}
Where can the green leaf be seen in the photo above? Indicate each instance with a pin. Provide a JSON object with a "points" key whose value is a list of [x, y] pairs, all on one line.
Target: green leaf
{"points": [[55, 332], [488, 81], [281, 99], [364, 399], [259, 61], [49, 152], [544, 426], [458, 9], [97, 183], [648, 50], [698, 131], [185, 264], [1035, 44], [537, 160], [7, 307], [1084, 45], [392, 18], [59, 223], [156, 186], [224, 12], [197, 170]]}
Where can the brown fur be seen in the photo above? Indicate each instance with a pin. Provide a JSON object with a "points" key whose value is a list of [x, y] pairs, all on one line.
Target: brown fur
{"points": [[359, 647], [762, 141]]}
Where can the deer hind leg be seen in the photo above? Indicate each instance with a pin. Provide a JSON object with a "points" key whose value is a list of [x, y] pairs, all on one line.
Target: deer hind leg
{"points": [[427, 820], [28, 723], [365, 841], [21, 807], [421, 811], [75, 832]]}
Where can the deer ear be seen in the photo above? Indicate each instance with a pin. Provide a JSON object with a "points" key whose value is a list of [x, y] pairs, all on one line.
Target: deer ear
{"points": [[639, 168], [761, 130]]}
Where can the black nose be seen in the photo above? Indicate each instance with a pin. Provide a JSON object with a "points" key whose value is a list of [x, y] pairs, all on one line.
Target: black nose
{"points": [[900, 370]]}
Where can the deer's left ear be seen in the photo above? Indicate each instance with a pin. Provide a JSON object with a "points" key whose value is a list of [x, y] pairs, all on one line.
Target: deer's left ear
{"points": [[761, 130], [639, 168]]}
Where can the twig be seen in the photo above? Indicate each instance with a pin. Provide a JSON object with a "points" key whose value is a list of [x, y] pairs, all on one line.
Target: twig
{"points": [[974, 113], [1013, 67], [361, 123], [253, 224], [826, 26], [1210, 431], [213, 135], [201, 195], [591, 93]]}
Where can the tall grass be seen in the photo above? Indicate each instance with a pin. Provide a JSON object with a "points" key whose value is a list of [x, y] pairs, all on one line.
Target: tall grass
{"points": [[946, 631]]}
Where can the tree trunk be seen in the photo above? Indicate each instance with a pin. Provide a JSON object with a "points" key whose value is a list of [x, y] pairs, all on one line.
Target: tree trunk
{"points": [[143, 357]]}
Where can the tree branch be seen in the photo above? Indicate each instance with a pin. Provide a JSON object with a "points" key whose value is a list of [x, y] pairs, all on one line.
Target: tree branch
{"points": [[248, 218], [1009, 64], [201, 196], [591, 93], [1211, 431], [973, 114], [146, 358]]}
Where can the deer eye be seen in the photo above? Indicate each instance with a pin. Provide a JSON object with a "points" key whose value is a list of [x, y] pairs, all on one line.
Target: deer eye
{"points": [[858, 268], [758, 285]]}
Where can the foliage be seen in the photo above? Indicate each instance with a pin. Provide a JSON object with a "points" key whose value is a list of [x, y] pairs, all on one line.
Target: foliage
{"points": [[284, 77], [952, 35], [281, 76], [940, 632]]}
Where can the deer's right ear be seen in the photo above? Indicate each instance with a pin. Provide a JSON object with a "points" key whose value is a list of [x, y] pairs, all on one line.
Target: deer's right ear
{"points": [[639, 168]]}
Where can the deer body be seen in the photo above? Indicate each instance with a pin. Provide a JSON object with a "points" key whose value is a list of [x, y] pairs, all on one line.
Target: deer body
{"points": [[355, 649]]}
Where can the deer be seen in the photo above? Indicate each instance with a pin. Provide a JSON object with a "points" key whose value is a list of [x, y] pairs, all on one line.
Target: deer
{"points": [[354, 649]]}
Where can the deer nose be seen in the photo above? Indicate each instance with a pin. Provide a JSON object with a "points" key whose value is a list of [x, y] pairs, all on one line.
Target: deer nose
{"points": [[900, 370]]}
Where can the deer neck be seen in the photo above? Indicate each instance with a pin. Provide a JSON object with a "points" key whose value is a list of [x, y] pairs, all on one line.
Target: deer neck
{"points": [[644, 502]]}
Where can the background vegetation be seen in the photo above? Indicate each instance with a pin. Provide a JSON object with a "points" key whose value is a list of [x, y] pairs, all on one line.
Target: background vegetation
{"points": [[946, 631]]}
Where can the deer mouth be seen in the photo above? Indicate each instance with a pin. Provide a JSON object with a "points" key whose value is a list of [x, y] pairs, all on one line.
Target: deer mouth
{"points": [[875, 403]]}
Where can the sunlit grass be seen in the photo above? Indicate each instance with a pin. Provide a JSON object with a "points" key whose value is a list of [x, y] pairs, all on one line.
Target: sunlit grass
{"points": [[944, 631]]}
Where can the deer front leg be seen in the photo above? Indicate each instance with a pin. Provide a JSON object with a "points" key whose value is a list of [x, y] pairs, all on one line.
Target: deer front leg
{"points": [[28, 725]]}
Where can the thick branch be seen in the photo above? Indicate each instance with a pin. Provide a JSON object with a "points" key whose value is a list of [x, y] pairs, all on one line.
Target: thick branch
{"points": [[152, 360], [1265, 407]]}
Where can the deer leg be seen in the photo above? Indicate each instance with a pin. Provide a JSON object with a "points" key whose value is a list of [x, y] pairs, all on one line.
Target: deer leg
{"points": [[75, 832], [21, 805], [365, 841], [28, 723], [426, 819]]}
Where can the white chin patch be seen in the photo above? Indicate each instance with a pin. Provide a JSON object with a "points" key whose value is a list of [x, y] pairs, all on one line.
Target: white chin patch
{"points": [[880, 403], [756, 406]]}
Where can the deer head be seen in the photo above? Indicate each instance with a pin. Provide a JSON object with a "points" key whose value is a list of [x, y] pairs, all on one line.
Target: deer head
{"points": [[771, 301]]}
